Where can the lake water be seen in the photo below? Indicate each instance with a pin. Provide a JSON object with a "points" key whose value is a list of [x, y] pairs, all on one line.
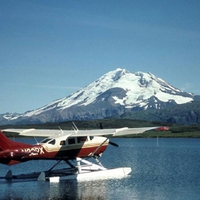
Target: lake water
{"points": [[162, 169]]}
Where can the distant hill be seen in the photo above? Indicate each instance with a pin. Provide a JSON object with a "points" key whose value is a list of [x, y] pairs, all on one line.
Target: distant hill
{"points": [[188, 113], [121, 94]]}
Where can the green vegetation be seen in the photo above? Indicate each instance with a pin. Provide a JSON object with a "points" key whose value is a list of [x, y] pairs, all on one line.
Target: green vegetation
{"points": [[167, 134], [175, 130]]}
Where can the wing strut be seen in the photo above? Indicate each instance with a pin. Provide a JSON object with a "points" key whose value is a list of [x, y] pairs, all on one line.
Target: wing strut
{"points": [[93, 153], [75, 127]]}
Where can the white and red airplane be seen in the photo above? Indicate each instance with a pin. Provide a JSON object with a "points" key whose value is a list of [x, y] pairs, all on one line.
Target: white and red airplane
{"points": [[65, 146]]}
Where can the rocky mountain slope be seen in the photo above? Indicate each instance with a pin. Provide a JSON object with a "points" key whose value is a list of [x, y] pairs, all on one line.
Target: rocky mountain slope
{"points": [[112, 95]]}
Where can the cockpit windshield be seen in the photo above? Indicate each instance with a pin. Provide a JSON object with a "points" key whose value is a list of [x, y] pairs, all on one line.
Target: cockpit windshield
{"points": [[45, 140]]}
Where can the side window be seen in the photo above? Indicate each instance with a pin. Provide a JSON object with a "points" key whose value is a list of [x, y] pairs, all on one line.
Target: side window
{"points": [[71, 141], [52, 142], [82, 139], [91, 137], [62, 142]]}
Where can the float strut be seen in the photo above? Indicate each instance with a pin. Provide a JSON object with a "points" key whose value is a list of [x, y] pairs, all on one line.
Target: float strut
{"points": [[54, 165]]}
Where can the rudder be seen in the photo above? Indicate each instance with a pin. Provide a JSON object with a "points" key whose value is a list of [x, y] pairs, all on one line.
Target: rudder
{"points": [[6, 143]]}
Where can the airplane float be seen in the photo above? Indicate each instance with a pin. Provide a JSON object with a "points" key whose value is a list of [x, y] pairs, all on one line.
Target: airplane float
{"points": [[69, 145]]}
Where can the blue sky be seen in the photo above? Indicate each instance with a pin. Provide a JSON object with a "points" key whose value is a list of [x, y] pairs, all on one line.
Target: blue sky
{"points": [[50, 49]]}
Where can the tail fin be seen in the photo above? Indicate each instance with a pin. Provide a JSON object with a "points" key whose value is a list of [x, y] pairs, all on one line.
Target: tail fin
{"points": [[6, 143]]}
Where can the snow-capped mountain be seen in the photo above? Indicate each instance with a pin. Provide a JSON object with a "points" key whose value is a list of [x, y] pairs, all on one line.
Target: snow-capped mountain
{"points": [[112, 94]]}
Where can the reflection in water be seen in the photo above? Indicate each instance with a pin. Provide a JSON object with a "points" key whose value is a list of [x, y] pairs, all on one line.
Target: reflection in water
{"points": [[93, 190], [74, 190], [63, 190]]}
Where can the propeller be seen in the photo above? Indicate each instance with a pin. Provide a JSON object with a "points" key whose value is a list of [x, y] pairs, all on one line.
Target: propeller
{"points": [[113, 144], [101, 126]]}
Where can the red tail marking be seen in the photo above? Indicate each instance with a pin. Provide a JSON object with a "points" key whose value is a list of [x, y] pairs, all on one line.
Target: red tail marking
{"points": [[6, 143]]}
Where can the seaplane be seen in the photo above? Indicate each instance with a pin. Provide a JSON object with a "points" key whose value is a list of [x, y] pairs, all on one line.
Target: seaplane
{"points": [[74, 147]]}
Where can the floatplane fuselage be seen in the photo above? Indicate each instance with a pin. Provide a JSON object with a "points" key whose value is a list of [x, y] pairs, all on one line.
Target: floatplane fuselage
{"points": [[52, 148]]}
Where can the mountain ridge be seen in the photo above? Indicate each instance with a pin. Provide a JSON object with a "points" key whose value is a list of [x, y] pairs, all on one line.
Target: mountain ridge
{"points": [[113, 94]]}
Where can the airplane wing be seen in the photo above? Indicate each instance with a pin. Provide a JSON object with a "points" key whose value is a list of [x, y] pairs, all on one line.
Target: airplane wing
{"points": [[80, 133], [36, 132], [112, 132]]}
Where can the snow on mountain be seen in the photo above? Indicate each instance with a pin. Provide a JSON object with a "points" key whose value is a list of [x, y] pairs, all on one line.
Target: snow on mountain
{"points": [[116, 88], [139, 86]]}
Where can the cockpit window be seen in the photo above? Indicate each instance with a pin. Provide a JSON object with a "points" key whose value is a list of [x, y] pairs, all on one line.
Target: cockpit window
{"points": [[91, 137], [62, 142], [81, 139], [71, 141], [49, 141], [52, 141]]}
